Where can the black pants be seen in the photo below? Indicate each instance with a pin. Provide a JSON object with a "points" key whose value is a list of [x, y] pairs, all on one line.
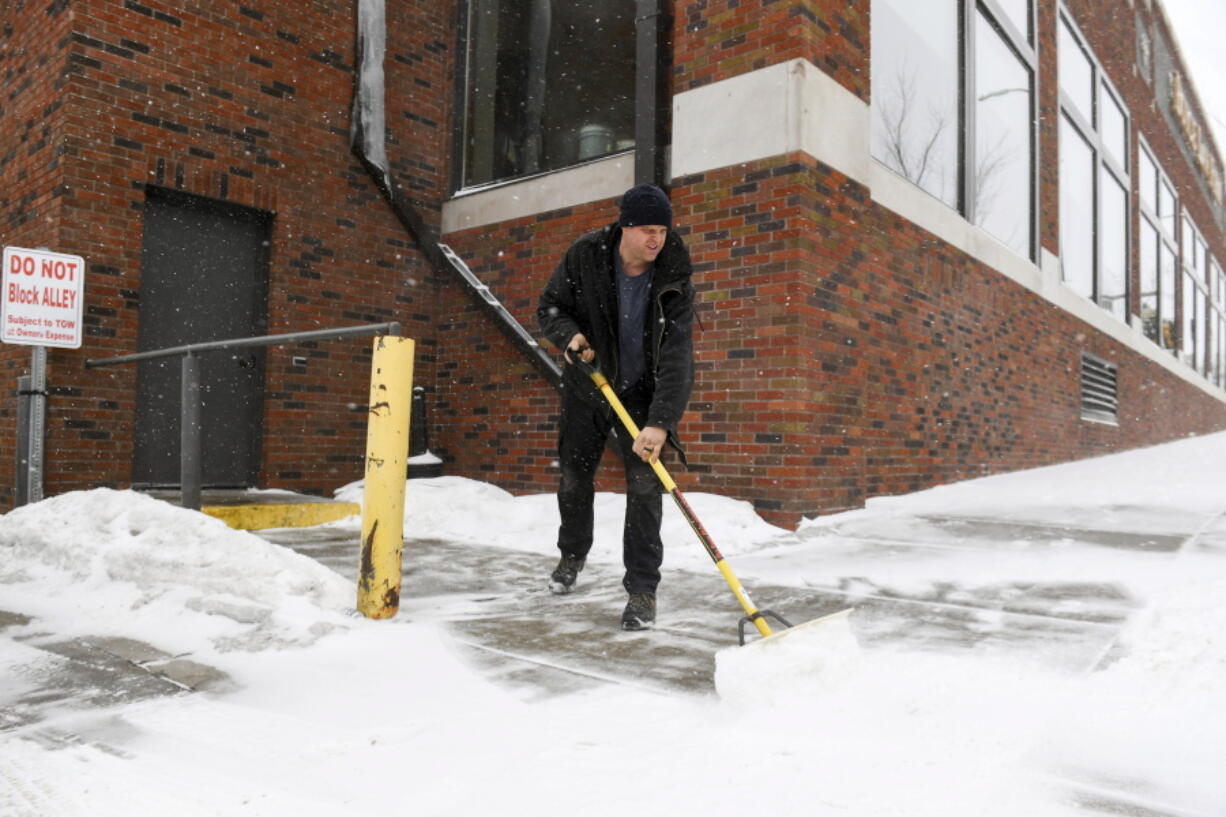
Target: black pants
{"points": [[584, 430]]}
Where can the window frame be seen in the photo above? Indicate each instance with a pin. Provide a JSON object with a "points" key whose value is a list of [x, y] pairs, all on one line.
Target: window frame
{"points": [[1195, 264], [460, 166], [1151, 214], [1104, 162], [1217, 321], [1021, 46]]}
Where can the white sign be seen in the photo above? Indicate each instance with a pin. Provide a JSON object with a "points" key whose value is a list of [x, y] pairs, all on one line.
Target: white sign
{"points": [[42, 298]]}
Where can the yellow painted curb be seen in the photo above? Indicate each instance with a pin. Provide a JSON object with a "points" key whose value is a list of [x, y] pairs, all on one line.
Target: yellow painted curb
{"points": [[281, 515]]}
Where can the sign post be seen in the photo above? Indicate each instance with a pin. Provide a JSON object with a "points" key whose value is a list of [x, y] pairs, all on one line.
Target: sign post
{"points": [[41, 305]]}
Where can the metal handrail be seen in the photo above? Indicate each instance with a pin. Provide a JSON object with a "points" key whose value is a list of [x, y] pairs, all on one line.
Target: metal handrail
{"points": [[190, 436], [390, 328]]}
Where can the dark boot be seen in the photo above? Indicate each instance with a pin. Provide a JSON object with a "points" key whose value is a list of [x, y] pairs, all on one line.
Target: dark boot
{"points": [[562, 580], [640, 612]]}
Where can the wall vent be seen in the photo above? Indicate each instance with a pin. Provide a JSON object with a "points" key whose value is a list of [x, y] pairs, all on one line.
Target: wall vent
{"points": [[1099, 390]]}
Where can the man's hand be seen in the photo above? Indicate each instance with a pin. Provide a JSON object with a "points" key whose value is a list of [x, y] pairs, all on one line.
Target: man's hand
{"points": [[650, 443], [579, 344]]}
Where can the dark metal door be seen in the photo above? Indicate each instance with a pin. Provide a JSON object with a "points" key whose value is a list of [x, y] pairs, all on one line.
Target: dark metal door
{"points": [[204, 277]]}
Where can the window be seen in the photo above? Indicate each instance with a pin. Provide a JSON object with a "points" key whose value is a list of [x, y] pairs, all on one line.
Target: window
{"points": [[1076, 210], [1148, 301], [1193, 334], [1113, 264], [915, 93], [1196, 276], [1221, 348], [953, 107], [1147, 180], [1166, 288], [1002, 138], [1076, 71], [1114, 129], [548, 85], [1157, 251], [1094, 180], [1219, 323]]}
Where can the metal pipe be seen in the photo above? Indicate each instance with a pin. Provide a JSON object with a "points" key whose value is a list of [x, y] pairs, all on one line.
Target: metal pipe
{"points": [[652, 20], [390, 328], [540, 23], [36, 464], [190, 434], [22, 482], [387, 451]]}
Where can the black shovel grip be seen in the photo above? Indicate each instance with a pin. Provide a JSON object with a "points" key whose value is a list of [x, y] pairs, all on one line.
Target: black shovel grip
{"points": [[588, 369]]}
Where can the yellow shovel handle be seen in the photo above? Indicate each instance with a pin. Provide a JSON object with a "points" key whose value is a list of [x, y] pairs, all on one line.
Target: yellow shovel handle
{"points": [[751, 611]]}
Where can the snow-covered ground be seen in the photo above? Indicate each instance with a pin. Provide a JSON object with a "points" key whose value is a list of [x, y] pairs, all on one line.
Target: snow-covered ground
{"points": [[324, 713]]}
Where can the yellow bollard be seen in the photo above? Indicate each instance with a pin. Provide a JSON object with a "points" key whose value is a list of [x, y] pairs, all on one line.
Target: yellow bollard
{"points": [[387, 463]]}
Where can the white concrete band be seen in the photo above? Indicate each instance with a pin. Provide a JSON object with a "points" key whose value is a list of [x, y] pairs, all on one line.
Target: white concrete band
{"points": [[594, 181], [792, 106]]}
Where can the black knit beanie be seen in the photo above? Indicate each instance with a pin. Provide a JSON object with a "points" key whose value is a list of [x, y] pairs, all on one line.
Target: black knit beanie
{"points": [[645, 205]]}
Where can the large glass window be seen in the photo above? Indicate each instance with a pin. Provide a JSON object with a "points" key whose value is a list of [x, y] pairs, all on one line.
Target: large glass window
{"points": [[1194, 333], [1002, 138], [963, 132], [1196, 280], [547, 85], [1201, 357], [1076, 71], [1113, 230], [1168, 207], [1147, 181], [1114, 129], [1148, 301], [1217, 322], [1076, 209], [1220, 379], [1094, 178], [1166, 290], [915, 93]]}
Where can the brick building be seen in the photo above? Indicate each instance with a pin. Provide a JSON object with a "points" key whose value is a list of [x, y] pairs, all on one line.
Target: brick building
{"points": [[928, 246]]}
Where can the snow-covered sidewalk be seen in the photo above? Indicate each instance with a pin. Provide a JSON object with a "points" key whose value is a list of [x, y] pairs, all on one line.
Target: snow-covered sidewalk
{"points": [[1043, 643]]}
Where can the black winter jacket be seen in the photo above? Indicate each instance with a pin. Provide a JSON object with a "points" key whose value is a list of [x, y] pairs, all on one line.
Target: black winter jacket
{"points": [[581, 297]]}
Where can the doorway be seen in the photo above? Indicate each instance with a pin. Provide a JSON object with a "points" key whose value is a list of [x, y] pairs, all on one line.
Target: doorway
{"points": [[204, 277]]}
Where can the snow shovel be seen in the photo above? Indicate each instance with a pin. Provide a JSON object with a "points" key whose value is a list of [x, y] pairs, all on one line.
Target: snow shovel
{"points": [[753, 615]]}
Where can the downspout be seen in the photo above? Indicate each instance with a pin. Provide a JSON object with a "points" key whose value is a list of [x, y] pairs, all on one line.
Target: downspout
{"points": [[652, 59], [367, 129]]}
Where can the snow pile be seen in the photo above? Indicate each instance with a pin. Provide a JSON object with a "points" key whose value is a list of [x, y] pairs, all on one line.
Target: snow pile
{"points": [[791, 666], [1179, 645], [467, 511], [1185, 476], [131, 559], [1155, 712]]}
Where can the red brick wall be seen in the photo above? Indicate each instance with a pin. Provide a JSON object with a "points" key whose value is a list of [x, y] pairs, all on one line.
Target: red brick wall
{"points": [[248, 104], [718, 39], [846, 353], [843, 352], [32, 124]]}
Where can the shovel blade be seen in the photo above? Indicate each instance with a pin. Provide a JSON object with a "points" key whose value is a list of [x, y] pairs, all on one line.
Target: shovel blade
{"points": [[823, 626], [807, 660]]}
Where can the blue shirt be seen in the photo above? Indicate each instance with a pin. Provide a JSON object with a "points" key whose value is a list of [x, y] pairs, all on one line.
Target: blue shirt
{"points": [[633, 296]]}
